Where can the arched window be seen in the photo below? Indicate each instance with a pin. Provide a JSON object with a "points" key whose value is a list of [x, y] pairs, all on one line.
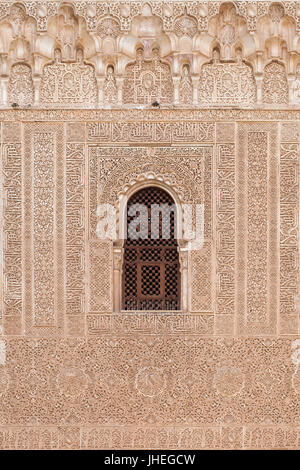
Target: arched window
{"points": [[151, 276]]}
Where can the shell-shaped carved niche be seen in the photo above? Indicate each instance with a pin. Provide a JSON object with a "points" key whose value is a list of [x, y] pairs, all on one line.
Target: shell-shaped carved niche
{"points": [[108, 27], [185, 29], [276, 12], [108, 30], [185, 25]]}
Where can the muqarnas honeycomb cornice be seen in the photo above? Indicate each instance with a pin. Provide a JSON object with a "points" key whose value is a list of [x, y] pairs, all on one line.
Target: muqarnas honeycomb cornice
{"points": [[133, 54]]}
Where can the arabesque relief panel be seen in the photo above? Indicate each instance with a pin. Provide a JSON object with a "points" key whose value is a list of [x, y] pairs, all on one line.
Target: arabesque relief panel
{"points": [[98, 99], [70, 165], [96, 393]]}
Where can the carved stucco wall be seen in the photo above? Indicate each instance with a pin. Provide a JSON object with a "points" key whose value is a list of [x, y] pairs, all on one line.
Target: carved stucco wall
{"points": [[96, 54], [75, 374]]}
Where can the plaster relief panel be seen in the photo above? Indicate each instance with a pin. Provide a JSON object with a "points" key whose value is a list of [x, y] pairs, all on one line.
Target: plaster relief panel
{"points": [[68, 83], [227, 84], [147, 81], [100, 100]]}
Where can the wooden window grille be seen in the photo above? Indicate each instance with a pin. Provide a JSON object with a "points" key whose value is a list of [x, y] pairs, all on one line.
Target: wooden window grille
{"points": [[151, 275]]}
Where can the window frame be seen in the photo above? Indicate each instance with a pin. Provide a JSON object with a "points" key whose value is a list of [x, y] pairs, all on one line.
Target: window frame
{"points": [[118, 249]]}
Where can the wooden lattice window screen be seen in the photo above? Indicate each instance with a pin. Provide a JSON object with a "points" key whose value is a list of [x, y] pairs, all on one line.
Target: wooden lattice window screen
{"points": [[151, 275]]}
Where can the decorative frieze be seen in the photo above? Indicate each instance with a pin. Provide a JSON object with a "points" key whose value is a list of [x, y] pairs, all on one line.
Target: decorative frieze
{"points": [[65, 375], [101, 54], [142, 132], [150, 323]]}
